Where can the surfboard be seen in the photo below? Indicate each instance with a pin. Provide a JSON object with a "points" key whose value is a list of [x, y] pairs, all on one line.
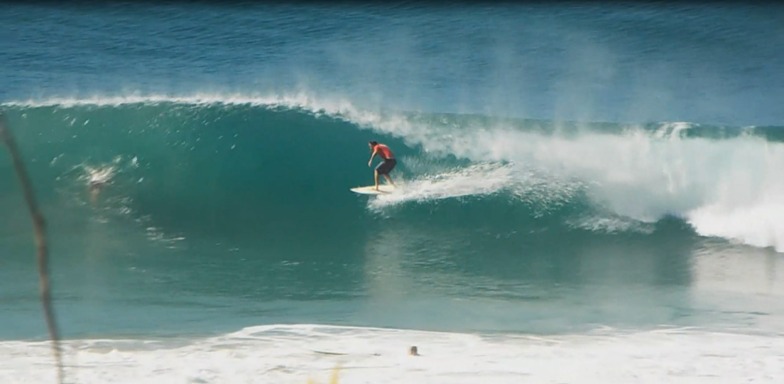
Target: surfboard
{"points": [[371, 189]]}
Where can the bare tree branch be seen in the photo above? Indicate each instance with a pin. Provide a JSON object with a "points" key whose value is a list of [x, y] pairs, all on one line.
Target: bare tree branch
{"points": [[40, 241]]}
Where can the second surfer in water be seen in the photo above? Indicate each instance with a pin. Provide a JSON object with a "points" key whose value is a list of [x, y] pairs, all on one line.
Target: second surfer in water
{"points": [[386, 166]]}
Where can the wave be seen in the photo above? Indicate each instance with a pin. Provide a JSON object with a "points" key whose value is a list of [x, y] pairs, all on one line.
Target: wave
{"points": [[292, 157]]}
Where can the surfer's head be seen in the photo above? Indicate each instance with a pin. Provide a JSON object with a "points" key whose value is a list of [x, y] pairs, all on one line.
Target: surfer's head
{"points": [[372, 144], [413, 351]]}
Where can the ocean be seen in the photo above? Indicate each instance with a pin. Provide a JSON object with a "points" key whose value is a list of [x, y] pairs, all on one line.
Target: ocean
{"points": [[587, 193]]}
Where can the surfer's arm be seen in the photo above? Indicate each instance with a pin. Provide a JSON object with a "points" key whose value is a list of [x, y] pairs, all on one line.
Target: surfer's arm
{"points": [[372, 156]]}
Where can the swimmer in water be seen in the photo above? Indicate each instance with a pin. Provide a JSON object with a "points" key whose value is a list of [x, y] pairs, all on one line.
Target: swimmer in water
{"points": [[95, 189], [98, 180]]}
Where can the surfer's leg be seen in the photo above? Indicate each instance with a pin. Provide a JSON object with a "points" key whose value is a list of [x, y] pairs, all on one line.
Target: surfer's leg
{"points": [[389, 179], [95, 190], [384, 168], [390, 165], [375, 177]]}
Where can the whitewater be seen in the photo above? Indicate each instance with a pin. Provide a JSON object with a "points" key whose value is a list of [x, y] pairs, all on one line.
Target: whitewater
{"points": [[322, 354]]}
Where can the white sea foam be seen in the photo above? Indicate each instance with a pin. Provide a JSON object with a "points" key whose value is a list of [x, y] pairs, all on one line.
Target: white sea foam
{"points": [[539, 191], [609, 224], [475, 180], [729, 188], [672, 130], [313, 353]]}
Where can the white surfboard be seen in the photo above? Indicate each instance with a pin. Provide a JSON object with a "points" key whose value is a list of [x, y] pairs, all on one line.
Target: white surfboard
{"points": [[371, 189]]}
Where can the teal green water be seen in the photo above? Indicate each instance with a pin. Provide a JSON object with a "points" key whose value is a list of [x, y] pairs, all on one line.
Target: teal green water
{"points": [[563, 167], [219, 216]]}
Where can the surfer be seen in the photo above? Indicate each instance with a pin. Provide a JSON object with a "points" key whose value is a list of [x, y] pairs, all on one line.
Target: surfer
{"points": [[97, 180], [95, 188], [384, 167]]}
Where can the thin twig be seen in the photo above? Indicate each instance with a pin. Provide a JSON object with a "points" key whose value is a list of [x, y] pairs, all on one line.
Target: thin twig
{"points": [[40, 241]]}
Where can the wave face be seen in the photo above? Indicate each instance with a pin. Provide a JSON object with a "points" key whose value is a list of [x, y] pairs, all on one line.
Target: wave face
{"points": [[279, 168]]}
